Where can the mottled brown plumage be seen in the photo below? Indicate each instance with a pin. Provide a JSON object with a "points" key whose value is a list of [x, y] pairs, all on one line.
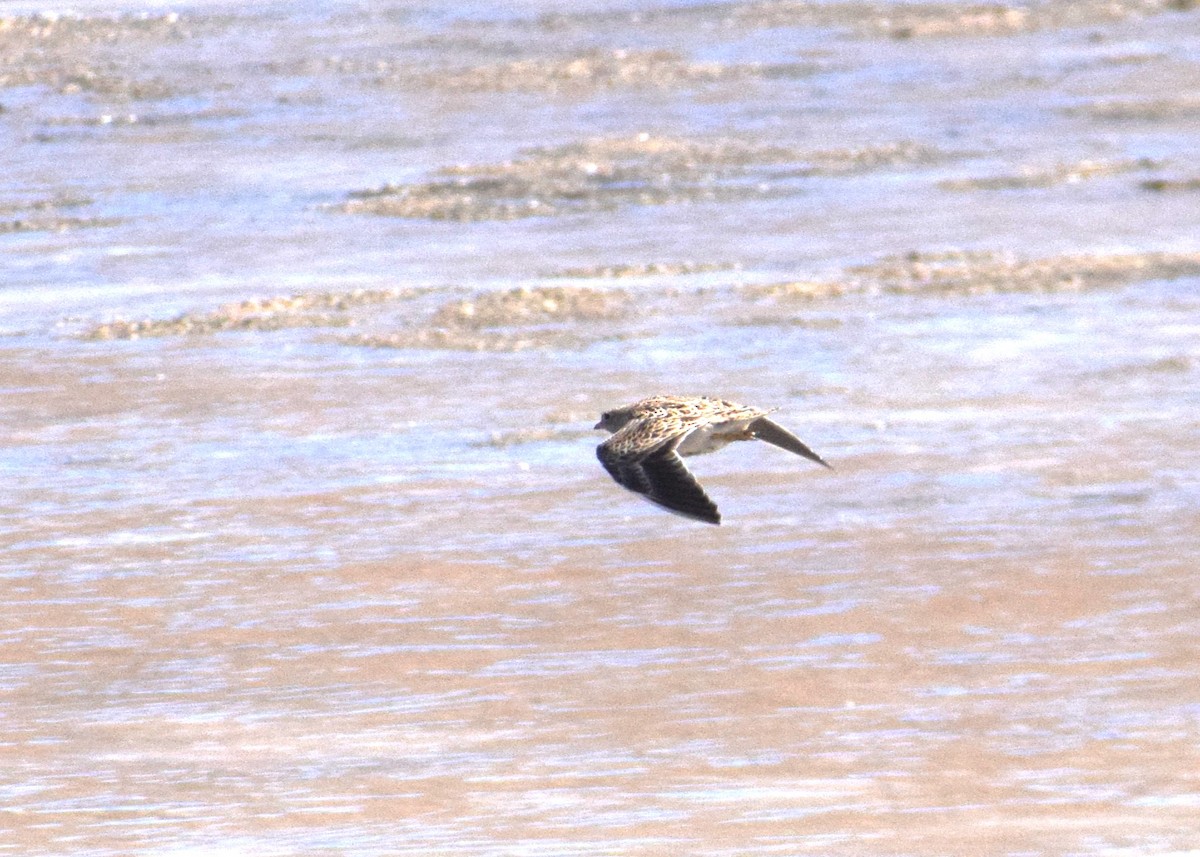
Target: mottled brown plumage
{"points": [[650, 436]]}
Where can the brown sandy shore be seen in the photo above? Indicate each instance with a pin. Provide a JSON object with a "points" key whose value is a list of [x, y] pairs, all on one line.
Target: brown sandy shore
{"points": [[305, 316]]}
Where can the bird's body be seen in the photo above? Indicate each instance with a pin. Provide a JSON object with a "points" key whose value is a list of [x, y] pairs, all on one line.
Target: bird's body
{"points": [[650, 436]]}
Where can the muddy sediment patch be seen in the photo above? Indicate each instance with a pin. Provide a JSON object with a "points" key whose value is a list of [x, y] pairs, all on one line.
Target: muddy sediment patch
{"points": [[589, 71], [945, 19], [538, 305], [984, 272], [1178, 364], [1172, 185], [55, 223], [1060, 174], [466, 339], [609, 173], [60, 213], [949, 20], [315, 309], [91, 55], [1166, 109], [800, 290], [55, 30], [143, 119], [642, 269], [774, 319], [980, 272], [513, 320], [57, 202], [968, 20]]}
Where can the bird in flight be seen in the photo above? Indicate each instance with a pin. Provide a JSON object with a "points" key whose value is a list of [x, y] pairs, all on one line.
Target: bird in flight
{"points": [[650, 436]]}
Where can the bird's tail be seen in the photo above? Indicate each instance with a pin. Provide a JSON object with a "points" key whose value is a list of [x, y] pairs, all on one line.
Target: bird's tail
{"points": [[773, 433]]}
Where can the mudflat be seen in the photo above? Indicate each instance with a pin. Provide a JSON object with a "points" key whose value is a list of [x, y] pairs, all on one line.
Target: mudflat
{"points": [[305, 318]]}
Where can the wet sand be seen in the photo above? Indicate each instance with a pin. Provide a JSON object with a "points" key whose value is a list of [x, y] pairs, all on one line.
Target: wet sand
{"points": [[306, 317]]}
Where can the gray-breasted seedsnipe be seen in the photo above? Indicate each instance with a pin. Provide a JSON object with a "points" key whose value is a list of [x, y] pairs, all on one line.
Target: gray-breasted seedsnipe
{"points": [[650, 436]]}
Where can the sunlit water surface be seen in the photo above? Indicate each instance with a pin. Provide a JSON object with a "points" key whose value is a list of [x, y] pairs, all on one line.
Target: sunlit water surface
{"points": [[272, 593]]}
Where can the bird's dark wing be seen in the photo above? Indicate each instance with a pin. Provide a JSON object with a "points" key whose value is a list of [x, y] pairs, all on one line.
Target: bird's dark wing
{"points": [[673, 487], [626, 471], [773, 433], [658, 474]]}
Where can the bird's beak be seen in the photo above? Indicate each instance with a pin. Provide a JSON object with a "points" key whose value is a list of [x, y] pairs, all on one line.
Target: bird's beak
{"points": [[599, 425]]}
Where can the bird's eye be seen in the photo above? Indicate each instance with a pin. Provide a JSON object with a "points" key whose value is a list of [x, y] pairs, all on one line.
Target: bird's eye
{"points": [[606, 416]]}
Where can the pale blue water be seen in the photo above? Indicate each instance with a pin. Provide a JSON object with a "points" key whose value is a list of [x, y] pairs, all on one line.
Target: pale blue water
{"points": [[272, 593]]}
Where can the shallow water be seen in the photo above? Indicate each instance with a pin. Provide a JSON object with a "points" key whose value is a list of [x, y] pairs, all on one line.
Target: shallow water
{"points": [[340, 574]]}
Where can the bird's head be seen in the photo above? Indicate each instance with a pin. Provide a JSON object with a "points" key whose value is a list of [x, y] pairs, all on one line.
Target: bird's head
{"points": [[615, 419]]}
